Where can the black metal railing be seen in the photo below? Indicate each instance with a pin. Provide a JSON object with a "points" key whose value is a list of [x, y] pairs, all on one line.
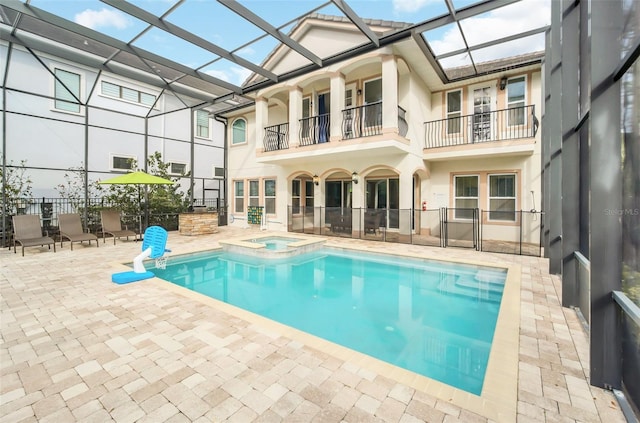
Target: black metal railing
{"points": [[443, 227], [276, 137], [315, 129], [403, 126], [362, 121], [499, 125]]}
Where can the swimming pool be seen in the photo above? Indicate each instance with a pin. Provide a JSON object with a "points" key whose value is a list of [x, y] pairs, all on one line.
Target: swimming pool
{"points": [[436, 319]]}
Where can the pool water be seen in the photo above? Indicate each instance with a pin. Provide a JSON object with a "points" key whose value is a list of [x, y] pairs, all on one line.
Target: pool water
{"points": [[432, 318]]}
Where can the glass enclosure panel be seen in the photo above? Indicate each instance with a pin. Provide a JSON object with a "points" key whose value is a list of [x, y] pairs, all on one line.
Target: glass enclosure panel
{"points": [[630, 212]]}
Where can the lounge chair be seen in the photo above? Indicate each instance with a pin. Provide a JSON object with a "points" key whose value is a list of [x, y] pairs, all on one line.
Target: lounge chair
{"points": [[27, 231], [71, 229], [111, 225]]}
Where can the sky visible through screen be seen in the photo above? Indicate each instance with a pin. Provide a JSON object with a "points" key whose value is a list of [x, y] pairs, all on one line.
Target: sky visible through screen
{"points": [[217, 24]]}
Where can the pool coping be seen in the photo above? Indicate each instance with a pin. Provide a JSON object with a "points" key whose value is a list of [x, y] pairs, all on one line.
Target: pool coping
{"points": [[498, 399]]}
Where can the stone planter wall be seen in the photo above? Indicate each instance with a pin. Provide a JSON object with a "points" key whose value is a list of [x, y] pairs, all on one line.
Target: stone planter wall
{"points": [[197, 223]]}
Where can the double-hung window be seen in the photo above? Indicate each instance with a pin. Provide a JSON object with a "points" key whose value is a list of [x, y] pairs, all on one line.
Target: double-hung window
{"points": [[239, 196], [516, 101], [454, 112], [295, 196], [270, 196], [254, 193], [67, 91], [502, 197], [202, 124], [308, 196], [466, 196]]}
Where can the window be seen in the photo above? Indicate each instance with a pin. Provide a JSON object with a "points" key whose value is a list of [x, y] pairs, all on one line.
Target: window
{"points": [[239, 131], [202, 124], [254, 193], [113, 90], [177, 168], [516, 101], [270, 196], [239, 196], [295, 196], [454, 112], [218, 172], [502, 197], [308, 200], [122, 162], [466, 196], [67, 91]]}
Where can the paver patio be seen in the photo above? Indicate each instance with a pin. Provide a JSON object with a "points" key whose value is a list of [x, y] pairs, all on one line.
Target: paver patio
{"points": [[76, 347]]}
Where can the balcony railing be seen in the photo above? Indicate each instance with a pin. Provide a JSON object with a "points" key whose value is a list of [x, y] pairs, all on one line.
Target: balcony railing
{"points": [[499, 125], [314, 129], [276, 137], [362, 121]]}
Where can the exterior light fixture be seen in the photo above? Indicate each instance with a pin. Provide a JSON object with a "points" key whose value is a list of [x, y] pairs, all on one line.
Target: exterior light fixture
{"points": [[354, 177], [503, 83], [316, 180]]}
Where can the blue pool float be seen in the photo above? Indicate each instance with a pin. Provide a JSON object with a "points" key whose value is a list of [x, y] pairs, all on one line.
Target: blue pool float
{"points": [[153, 246]]}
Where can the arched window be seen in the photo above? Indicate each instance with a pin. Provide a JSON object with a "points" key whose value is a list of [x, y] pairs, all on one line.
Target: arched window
{"points": [[239, 131]]}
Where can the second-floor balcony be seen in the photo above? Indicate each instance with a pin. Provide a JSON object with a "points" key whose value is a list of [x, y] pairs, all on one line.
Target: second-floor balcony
{"points": [[499, 125], [357, 122]]}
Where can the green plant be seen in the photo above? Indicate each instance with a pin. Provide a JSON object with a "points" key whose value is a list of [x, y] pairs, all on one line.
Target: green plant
{"points": [[72, 189], [165, 198], [16, 187]]}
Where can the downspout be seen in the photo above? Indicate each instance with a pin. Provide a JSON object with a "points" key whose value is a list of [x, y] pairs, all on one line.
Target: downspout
{"points": [[225, 162], [192, 158]]}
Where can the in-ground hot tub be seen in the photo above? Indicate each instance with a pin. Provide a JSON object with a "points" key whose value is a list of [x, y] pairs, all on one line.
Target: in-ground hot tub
{"points": [[272, 245]]}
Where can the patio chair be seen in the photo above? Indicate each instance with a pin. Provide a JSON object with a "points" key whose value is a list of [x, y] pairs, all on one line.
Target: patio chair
{"points": [[27, 231], [112, 225], [71, 229], [372, 222]]}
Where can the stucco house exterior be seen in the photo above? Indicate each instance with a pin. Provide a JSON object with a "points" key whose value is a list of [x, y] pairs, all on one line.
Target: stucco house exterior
{"points": [[63, 117], [381, 134]]}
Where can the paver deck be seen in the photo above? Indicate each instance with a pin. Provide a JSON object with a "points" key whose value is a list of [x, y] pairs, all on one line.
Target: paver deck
{"points": [[76, 347]]}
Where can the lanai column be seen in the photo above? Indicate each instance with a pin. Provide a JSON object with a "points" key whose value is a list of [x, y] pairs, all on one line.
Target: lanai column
{"points": [[406, 204], [262, 121], [295, 114], [337, 104], [389, 94]]}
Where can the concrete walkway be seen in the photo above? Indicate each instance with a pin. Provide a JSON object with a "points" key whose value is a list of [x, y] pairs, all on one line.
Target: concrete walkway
{"points": [[76, 347]]}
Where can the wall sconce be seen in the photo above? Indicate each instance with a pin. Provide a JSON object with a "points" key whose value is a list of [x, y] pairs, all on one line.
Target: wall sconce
{"points": [[359, 92], [354, 177], [316, 180], [503, 83]]}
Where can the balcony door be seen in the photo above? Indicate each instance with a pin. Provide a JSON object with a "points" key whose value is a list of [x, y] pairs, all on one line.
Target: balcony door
{"points": [[384, 195], [305, 129], [349, 128], [372, 112], [484, 98], [324, 113]]}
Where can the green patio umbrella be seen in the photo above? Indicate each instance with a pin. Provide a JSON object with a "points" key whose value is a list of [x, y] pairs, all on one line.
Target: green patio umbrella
{"points": [[138, 178]]}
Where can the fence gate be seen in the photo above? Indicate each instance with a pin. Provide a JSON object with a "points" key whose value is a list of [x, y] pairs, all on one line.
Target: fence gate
{"points": [[461, 227]]}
